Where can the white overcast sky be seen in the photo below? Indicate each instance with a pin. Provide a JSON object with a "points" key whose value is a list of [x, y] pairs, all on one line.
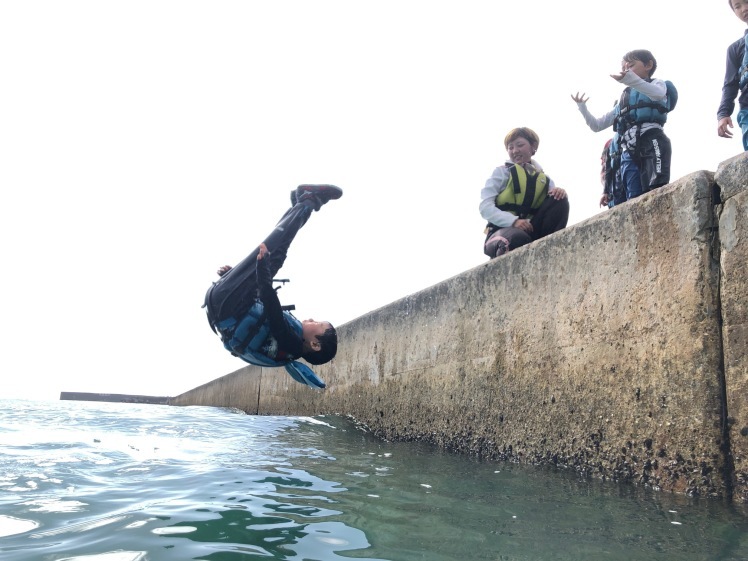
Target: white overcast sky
{"points": [[143, 144]]}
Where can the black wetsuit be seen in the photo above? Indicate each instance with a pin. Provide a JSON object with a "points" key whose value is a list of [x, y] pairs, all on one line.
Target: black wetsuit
{"points": [[234, 294]]}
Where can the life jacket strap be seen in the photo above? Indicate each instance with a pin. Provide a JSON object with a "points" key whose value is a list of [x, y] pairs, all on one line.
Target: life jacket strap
{"points": [[524, 208], [626, 118], [515, 179], [241, 347]]}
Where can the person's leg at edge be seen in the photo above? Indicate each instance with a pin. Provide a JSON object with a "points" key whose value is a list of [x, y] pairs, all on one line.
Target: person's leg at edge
{"points": [[743, 122], [504, 240], [630, 175], [552, 216], [495, 245]]}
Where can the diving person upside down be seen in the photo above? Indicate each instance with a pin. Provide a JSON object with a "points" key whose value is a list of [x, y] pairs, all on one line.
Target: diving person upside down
{"points": [[244, 309]]}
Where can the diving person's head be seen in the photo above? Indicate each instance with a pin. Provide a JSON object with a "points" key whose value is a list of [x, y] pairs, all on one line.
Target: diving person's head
{"points": [[320, 341]]}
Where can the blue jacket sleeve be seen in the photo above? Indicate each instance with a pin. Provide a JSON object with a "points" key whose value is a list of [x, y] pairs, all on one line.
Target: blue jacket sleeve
{"points": [[730, 87]]}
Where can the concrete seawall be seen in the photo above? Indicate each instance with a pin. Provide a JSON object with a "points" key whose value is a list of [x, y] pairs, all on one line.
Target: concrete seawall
{"points": [[114, 398], [616, 347]]}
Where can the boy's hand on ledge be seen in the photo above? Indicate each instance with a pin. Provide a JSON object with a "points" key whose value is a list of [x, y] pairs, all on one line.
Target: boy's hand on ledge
{"points": [[722, 126], [223, 270], [262, 251]]}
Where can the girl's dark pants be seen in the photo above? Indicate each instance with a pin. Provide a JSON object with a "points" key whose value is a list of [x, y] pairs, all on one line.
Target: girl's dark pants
{"points": [[234, 293], [552, 216]]}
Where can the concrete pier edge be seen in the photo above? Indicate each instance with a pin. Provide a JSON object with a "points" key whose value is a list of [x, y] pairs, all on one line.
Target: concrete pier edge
{"points": [[616, 347]]}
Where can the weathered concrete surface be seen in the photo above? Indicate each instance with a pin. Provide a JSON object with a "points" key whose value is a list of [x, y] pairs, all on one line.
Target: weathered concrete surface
{"points": [[598, 348], [732, 177], [239, 389], [114, 398]]}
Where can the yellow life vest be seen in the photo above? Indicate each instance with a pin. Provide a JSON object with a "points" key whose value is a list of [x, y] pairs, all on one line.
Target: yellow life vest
{"points": [[524, 193]]}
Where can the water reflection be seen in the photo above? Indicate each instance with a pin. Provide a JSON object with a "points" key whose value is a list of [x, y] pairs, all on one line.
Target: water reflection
{"points": [[174, 484], [242, 531]]}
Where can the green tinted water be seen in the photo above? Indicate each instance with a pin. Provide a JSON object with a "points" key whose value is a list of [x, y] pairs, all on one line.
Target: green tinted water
{"points": [[111, 482]]}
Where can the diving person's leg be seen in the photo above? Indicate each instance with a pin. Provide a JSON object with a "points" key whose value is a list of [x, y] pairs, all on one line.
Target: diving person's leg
{"points": [[284, 233], [236, 290], [306, 198]]}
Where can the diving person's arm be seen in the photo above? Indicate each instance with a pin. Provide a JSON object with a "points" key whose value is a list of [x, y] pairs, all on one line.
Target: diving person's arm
{"points": [[288, 340]]}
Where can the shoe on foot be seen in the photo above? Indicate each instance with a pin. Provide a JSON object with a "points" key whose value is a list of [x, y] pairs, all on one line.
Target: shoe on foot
{"points": [[318, 194], [502, 247], [497, 246], [293, 198]]}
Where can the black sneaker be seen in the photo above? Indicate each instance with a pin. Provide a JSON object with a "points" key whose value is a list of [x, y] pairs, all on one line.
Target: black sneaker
{"points": [[318, 194], [293, 198], [502, 247]]}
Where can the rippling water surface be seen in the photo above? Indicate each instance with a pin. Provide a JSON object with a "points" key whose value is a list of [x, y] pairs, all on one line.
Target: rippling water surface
{"points": [[116, 482]]}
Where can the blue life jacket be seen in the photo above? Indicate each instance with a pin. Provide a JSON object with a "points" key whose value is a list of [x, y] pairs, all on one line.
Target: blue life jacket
{"points": [[744, 67], [246, 337], [635, 108]]}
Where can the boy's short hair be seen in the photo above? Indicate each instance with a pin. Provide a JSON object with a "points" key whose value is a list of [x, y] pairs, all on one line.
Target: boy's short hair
{"points": [[328, 347], [522, 132], [643, 56]]}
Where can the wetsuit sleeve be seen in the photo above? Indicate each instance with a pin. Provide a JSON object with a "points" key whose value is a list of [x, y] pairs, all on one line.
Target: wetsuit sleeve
{"points": [[730, 87], [488, 209], [284, 334]]}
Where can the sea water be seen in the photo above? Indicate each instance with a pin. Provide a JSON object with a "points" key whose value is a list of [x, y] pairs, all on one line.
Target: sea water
{"points": [[121, 482]]}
